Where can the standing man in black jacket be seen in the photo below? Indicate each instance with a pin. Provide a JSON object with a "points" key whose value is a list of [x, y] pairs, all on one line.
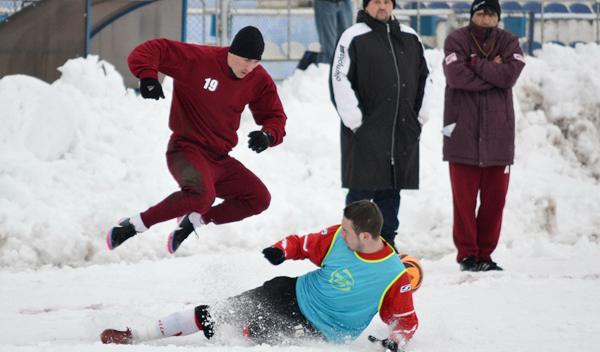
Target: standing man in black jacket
{"points": [[380, 87]]}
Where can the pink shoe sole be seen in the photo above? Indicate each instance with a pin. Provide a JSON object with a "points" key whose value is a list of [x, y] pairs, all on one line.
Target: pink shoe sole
{"points": [[170, 240], [170, 243]]}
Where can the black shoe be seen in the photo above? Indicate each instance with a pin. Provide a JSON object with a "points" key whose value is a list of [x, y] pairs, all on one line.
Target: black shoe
{"points": [[181, 232], [488, 265], [469, 264], [123, 231], [206, 322]]}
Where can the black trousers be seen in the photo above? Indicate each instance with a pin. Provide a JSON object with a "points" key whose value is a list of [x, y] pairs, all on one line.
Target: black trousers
{"points": [[271, 312]]}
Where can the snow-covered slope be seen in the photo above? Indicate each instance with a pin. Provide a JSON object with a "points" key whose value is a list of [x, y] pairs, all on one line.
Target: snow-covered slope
{"points": [[79, 154]]}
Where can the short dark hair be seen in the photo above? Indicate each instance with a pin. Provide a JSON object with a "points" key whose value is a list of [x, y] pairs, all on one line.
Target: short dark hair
{"points": [[365, 216]]}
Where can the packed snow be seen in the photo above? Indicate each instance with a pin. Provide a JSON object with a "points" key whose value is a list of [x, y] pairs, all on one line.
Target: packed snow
{"points": [[81, 153]]}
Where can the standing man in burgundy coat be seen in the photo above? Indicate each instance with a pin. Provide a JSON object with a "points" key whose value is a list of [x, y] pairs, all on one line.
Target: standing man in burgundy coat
{"points": [[482, 65], [211, 88]]}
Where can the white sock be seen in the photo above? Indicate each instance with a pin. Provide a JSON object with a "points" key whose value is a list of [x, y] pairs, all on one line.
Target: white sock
{"points": [[137, 222], [177, 324], [196, 220]]}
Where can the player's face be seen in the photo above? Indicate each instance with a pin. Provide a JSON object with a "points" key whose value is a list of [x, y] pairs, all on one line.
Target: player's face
{"points": [[353, 241], [241, 66], [380, 9], [485, 18]]}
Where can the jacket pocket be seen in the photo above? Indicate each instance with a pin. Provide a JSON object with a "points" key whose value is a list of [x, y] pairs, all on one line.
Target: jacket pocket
{"points": [[363, 126], [412, 119], [369, 123], [448, 129]]}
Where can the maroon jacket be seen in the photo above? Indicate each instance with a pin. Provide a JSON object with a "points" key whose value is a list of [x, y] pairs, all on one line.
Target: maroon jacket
{"points": [[208, 99], [479, 96]]}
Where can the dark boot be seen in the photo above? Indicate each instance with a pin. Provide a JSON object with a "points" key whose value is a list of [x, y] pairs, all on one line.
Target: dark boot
{"points": [[469, 264], [488, 265]]}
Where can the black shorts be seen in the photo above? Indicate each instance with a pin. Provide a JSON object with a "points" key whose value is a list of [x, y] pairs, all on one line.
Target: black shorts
{"points": [[271, 312]]}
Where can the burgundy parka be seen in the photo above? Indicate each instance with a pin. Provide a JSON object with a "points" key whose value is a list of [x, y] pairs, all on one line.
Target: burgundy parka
{"points": [[479, 119]]}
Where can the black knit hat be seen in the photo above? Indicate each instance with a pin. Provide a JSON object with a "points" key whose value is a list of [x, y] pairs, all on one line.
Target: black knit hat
{"points": [[248, 43], [494, 5], [366, 2]]}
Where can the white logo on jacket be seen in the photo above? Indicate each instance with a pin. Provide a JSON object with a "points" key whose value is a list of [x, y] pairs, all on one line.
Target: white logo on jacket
{"points": [[519, 57], [450, 58]]}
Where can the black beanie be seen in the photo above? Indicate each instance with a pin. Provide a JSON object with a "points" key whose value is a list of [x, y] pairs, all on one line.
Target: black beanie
{"points": [[366, 2], [248, 43], [492, 4]]}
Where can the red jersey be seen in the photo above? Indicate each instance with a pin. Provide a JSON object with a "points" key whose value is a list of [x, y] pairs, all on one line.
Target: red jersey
{"points": [[208, 99], [397, 308]]}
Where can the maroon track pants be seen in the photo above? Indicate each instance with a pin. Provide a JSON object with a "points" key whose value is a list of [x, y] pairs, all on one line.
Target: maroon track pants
{"points": [[477, 233], [202, 177]]}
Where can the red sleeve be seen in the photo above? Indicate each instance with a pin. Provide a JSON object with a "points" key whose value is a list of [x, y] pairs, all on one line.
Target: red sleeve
{"points": [[398, 311], [267, 111], [313, 246], [458, 74], [162, 55]]}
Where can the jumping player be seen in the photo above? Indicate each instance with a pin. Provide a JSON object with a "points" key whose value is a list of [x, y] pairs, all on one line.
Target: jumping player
{"points": [[212, 86]]}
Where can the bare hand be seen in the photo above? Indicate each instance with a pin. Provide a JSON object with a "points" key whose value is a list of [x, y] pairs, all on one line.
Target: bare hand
{"points": [[498, 59]]}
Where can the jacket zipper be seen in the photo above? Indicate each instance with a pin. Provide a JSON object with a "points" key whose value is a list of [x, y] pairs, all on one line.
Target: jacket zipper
{"points": [[397, 103]]}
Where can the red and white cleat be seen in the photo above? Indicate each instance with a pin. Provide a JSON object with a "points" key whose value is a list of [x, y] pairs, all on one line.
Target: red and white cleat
{"points": [[117, 337]]}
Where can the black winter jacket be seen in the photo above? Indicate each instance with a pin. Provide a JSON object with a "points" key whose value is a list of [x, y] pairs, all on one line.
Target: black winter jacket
{"points": [[377, 83]]}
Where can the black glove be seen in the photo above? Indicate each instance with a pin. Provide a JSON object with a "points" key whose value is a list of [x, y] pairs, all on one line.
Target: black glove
{"points": [[260, 141], [274, 255], [150, 88], [387, 343]]}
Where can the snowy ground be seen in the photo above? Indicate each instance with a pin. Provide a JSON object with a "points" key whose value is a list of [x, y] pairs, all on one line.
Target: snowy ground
{"points": [[78, 155]]}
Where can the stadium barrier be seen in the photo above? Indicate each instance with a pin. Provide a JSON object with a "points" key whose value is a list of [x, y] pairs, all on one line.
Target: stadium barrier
{"points": [[288, 26]]}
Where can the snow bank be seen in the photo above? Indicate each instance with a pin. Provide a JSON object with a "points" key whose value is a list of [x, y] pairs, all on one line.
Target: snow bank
{"points": [[83, 152], [558, 93]]}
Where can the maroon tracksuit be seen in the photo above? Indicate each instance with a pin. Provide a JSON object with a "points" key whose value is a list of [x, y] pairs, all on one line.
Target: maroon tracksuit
{"points": [[480, 147], [208, 101]]}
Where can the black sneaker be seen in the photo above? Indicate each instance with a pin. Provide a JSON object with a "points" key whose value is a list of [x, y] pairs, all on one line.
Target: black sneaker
{"points": [[123, 231], [206, 322], [488, 265], [182, 231], [469, 264]]}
